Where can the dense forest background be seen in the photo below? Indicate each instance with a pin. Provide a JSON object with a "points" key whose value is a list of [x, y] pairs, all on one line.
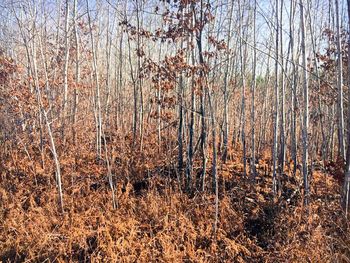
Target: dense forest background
{"points": [[174, 131]]}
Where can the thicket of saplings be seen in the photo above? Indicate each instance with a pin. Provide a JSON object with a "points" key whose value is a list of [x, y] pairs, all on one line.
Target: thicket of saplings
{"points": [[126, 138]]}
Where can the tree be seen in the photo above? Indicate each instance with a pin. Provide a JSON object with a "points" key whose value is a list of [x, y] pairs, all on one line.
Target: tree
{"points": [[340, 86], [65, 67], [253, 87], [346, 186], [276, 109], [98, 112], [306, 104]]}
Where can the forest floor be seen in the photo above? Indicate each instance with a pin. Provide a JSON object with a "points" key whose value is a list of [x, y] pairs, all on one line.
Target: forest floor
{"points": [[155, 221]]}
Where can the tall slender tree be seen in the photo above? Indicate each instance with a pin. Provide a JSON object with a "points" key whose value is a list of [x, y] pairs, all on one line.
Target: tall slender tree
{"points": [[306, 103], [346, 187], [276, 106], [253, 87], [340, 85]]}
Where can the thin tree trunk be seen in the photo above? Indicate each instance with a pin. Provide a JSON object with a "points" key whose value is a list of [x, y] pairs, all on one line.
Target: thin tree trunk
{"points": [[306, 105], [108, 66], [77, 71], [96, 79], [282, 106], [180, 127], [214, 161], [242, 61], [323, 144], [202, 98], [65, 69], [190, 151], [293, 90], [253, 87], [346, 187], [225, 123], [139, 80], [275, 131], [135, 97], [340, 86]]}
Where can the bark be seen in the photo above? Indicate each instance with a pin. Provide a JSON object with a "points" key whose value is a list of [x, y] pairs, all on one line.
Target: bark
{"points": [[214, 161], [340, 86], [282, 106], [65, 69], [306, 105], [225, 122], [253, 87], [202, 97], [275, 131], [294, 91], [77, 71], [97, 83], [243, 84], [346, 186], [180, 127]]}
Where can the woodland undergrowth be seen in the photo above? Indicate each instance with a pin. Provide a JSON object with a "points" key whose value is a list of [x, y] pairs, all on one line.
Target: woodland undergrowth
{"points": [[155, 219]]}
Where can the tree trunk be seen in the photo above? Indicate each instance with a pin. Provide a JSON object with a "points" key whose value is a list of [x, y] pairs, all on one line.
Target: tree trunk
{"points": [[306, 105], [253, 87], [275, 131], [225, 122], [77, 71], [346, 187], [340, 86], [98, 97], [65, 69]]}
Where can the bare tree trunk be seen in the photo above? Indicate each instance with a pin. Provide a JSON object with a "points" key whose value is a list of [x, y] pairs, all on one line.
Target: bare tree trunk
{"points": [[253, 87], [77, 71], [346, 187], [65, 69], [243, 83], [214, 161], [180, 127], [96, 79], [340, 86], [109, 173], [333, 124], [139, 80], [323, 144], [108, 66], [294, 90], [225, 123], [264, 116], [59, 7], [202, 97], [275, 131], [282, 106], [306, 105], [159, 107], [190, 151], [135, 97]]}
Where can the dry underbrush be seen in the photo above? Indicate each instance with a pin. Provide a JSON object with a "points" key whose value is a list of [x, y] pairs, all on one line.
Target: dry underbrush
{"points": [[155, 221]]}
